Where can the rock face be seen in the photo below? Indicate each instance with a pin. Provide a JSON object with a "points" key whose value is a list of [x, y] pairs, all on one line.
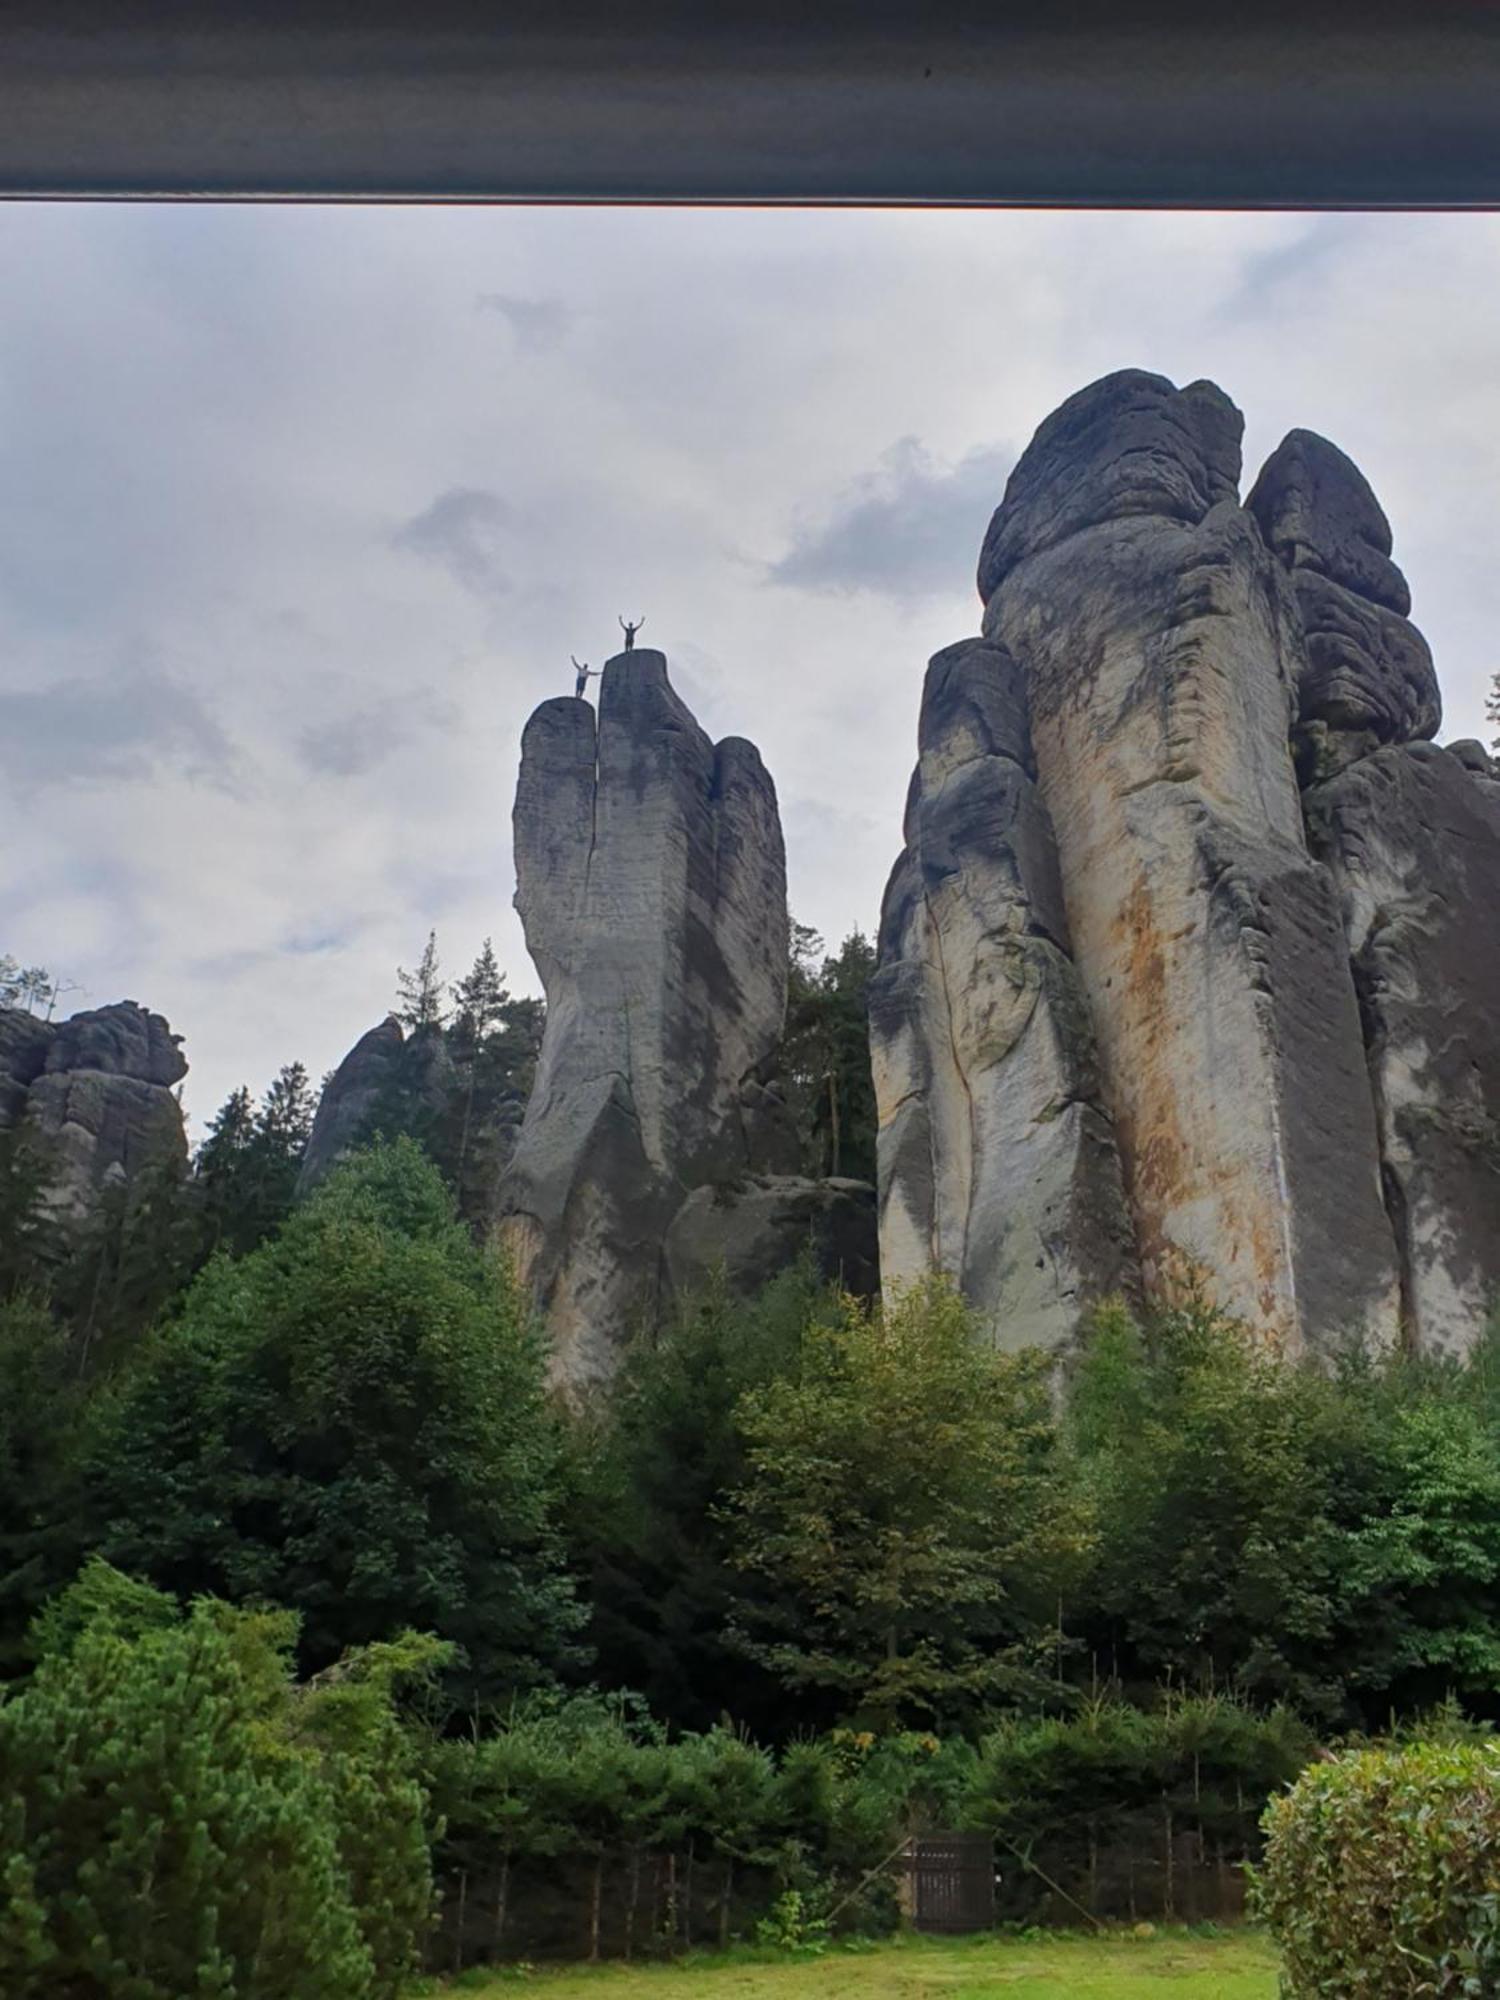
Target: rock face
{"points": [[997, 1160], [366, 1079], [1202, 795], [752, 1229], [98, 1090], [651, 883], [1162, 654], [1366, 676]]}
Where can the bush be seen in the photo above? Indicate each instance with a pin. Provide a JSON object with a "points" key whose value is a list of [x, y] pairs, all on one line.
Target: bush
{"points": [[1382, 1874], [178, 1821]]}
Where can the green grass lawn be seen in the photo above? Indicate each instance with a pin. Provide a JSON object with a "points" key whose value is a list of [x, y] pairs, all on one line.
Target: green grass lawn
{"points": [[1173, 1965]]}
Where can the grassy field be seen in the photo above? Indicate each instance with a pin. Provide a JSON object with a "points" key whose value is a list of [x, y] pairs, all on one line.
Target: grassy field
{"points": [[1169, 1966]]}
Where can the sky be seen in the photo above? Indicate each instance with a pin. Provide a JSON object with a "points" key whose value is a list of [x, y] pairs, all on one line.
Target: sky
{"points": [[303, 510]]}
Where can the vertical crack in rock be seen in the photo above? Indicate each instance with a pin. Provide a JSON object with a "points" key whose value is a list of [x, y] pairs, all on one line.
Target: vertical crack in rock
{"points": [[1163, 658], [997, 1162], [651, 883]]}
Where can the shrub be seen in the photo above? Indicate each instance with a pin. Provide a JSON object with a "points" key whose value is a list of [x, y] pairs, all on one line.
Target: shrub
{"points": [[178, 1821], [1382, 1874]]}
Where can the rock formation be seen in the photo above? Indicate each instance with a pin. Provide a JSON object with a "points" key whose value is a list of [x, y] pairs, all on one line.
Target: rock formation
{"points": [[1162, 664], [752, 1229], [98, 1091], [1411, 837], [652, 887], [387, 1079], [997, 1159]]}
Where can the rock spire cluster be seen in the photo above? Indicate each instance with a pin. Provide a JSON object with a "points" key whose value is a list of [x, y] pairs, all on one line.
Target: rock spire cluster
{"points": [[1190, 959]]}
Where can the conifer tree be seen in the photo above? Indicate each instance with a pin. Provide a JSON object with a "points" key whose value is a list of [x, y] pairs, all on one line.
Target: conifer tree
{"points": [[420, 993], [1492, 708]]}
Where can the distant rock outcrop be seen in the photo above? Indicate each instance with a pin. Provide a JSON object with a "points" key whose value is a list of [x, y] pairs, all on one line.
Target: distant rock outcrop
{"points": [[651, 882], [1280, 1009], [98, 1090], [369, 1079]]}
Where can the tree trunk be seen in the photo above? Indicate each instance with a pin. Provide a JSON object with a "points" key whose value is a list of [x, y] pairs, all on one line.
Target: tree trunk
{"points": [[502, 1893], [635, 1893], [833, 1121], [687, 1898], [1169, 1909], [595, 1900], [724, 1907], [458, 1935]]}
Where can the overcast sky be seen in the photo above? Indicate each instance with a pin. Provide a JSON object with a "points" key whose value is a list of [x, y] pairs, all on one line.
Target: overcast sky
{"points": [[302, 510]]}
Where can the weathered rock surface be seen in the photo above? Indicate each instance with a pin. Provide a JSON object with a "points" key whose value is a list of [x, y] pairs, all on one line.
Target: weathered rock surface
{"points": [[98, 1090], [754, 1228], [24, 1042], [997, 1161], [651, 884], [1161, 650], [350, 1101], [1412, 836], [1366, 675]]}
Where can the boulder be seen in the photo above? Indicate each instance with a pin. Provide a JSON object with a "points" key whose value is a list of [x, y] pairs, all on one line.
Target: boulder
{"points": [[1162, 651], [1411, 835], [751, 1229], [997, 1161], [651, 883], [1366, 675]]}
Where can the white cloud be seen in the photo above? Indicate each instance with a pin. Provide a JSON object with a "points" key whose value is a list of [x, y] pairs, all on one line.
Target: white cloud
{"points": [[263, 750]]}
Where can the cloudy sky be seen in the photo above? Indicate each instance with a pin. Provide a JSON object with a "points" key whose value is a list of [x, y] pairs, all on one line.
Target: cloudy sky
{"points": [[302, 510]]}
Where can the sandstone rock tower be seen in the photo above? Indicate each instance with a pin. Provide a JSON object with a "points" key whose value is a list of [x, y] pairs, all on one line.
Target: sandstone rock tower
{"points": [[1142, 1001], [98, 1090], [651, 882]]}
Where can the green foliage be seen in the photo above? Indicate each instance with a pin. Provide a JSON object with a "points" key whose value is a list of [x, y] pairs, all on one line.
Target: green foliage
{"points": [[825, 1054], [28, 1248], [179, 1822], [136, 1250], [246, 1169], [421, 992], [1381, 1871], [1331, 1538], [901, 1494], [1070, 1795], [40, 1408], [350, 1420], [650, 1473], [493, 1041]]}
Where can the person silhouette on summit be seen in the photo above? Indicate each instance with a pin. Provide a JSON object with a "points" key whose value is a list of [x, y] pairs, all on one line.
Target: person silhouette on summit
{"points": [[630, 632], [581, 686]]}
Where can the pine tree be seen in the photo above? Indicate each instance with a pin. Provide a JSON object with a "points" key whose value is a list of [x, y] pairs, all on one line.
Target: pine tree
{"points": [[826, 1054], [420, 993], [27, 1246], [1492, 708], [246, 1169], [493, 1040]]}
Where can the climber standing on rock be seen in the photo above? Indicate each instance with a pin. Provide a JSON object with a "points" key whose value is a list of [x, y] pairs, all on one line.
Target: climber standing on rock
{"points": [[581, 686], [630, 632]]}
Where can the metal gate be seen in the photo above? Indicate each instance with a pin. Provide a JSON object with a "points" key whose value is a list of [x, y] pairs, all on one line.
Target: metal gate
{"points": [[952, 1881]]}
